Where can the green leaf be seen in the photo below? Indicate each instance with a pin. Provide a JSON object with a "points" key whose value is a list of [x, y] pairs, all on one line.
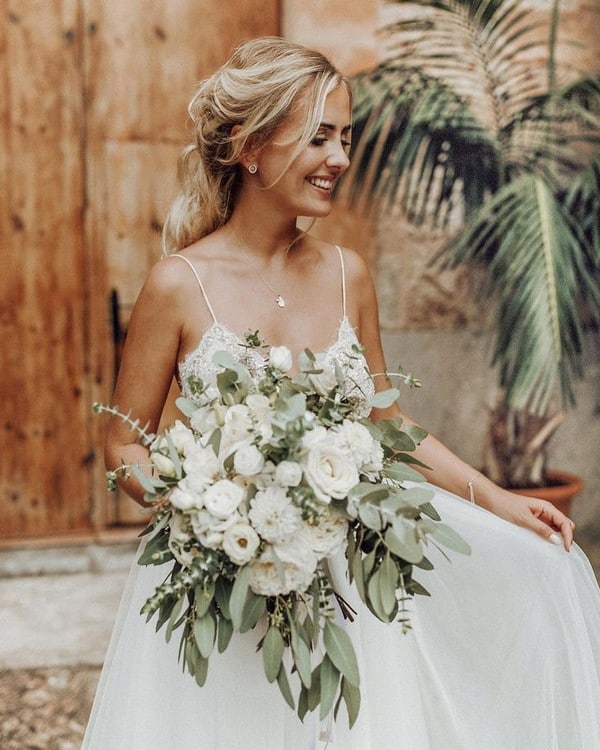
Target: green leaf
{"points": [[254, 609], [402, 540], [186, 406], [370, 516], [175, 612], [401, 472], [272, 648], [223, 589], [330, 678], [449, 538], [225, 631], [357, 574], [239, 593], [388, 583], [341, 652], [204, 634], [201, 670], [301, 655], [202, 599], [383, 399], [374, 588], [351, 695], [416, 496], [284, 687], [303, 703], [314, 691]]}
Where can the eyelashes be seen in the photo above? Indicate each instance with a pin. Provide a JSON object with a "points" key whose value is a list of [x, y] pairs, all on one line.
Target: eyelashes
{"points": [[320, 141]]}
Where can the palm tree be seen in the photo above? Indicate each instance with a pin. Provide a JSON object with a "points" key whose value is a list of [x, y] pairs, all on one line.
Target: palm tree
{"points": [[470, 113]]}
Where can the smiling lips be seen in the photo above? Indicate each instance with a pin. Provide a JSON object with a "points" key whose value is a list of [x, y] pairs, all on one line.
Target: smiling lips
{"points": [[323, 183]]}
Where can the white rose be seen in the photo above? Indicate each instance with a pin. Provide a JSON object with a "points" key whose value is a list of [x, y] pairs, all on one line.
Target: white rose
{"points": [[329, 472], [222, 498], [273, 515], [238, 424], [201, 467], [210, 531], [298, 562], [280, 358], [314, 436], [163, 464], [248, 460], [326, 380], [240, 542], [288, 473], [327, 537], [183, 500], [182, 437]]}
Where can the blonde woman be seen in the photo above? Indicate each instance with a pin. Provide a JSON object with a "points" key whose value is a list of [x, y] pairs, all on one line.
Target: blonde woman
{"points": [[488, 665]]}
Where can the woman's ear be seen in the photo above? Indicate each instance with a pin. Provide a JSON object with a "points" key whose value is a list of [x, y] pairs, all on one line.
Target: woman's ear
{"points": [[249, 154]]}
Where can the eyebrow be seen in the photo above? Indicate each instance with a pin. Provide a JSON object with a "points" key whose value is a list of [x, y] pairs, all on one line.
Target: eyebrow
{"points": [[329, 126]]}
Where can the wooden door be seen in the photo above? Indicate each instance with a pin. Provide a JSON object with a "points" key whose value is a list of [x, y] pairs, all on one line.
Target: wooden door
{"points": [[93, 112]]}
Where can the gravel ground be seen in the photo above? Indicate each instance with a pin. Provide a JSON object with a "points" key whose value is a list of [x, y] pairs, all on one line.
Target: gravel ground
{"points": [[45, 709]]}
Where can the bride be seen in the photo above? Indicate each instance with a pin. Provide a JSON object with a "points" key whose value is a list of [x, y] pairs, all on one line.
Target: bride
{"points": [[505, 655]]}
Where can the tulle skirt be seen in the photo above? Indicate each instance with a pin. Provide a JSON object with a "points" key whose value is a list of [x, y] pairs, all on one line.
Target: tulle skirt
{"points": [[504, 655]]}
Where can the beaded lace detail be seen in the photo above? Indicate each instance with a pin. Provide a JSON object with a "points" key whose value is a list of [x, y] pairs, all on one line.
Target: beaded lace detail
{"points": [[345, 349]]}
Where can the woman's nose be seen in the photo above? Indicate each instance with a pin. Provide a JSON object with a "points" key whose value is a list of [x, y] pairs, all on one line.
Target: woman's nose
{"points": [[337, 156]]}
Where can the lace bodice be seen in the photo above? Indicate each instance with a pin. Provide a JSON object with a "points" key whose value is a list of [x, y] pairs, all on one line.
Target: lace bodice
{"points": [[345, 349]]}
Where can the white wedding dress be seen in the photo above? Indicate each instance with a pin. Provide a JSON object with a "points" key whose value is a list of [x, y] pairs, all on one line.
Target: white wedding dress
{"points": [[505, 655]]}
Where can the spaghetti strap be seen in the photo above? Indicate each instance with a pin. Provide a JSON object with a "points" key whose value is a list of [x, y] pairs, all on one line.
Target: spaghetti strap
{"points": [[339, 249], [191, 265]]}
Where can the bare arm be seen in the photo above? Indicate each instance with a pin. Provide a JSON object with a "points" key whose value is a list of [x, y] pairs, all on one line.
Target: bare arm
{"points": [[147, 367], [447, 470]]}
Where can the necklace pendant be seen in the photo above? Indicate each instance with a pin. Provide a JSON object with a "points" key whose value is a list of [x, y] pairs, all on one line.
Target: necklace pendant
{"points": [[280, 301]]}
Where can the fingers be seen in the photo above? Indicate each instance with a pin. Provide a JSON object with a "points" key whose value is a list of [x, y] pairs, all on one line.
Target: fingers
{"points": [[549, 520]]}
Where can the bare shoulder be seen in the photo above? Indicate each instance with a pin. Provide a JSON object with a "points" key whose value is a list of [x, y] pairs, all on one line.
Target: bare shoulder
{"points": [[359, 281]]}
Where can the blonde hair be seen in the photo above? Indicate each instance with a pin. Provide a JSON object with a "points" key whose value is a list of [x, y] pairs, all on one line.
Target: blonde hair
{"points": [[256, 89]]}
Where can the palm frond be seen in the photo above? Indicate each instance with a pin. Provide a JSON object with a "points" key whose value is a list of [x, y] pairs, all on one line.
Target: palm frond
{"points": [[537, 271]]}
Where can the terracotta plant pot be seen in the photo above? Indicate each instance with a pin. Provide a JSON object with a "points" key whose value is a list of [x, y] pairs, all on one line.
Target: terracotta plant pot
{"points": [[561, 491]]}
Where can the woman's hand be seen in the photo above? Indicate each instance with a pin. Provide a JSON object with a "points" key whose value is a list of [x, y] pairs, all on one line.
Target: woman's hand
{"points": [[538, 515]]}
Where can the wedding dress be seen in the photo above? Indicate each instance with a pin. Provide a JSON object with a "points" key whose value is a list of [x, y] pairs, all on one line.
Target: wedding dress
{"points": [[504, 655]]}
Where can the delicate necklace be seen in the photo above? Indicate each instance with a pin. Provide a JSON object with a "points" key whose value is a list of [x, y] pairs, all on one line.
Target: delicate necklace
{"points": [[279, 300]]}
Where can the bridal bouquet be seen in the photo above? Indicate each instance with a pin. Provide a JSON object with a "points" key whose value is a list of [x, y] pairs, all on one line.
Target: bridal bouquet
{"points": [[269, 477]]}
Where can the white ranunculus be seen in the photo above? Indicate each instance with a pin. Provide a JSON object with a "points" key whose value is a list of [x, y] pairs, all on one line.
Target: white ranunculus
{"points": [[240, 542], [222, 498], [298, 562], [201, 467], [327, 537], [326, 380], [288, 474], [183, 500], [280, 358], [329, 471], [356, 441], [163, 464], [182, 437], [179, 535], [273, 515], [248, 460]]}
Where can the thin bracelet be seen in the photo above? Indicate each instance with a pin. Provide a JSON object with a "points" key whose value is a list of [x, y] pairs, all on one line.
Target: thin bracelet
{"points": [[470, 489]]}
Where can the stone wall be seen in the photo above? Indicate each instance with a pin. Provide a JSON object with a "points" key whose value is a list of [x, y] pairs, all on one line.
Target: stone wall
{"points": [[430, 323]]}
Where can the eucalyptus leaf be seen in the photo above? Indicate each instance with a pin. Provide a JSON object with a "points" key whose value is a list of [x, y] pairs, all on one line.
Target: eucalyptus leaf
{"points": [[223, 589], [203, 598], [403, 541], [204, 634], [330, 678], [341, 652], [374, 588], [449, 538], [357, 574], [239, 593], [186, 406], [284, 687], [388, 582], [272, 648], [351, 696], [254, 609], [201, 670], [383, 399], [173, 619], [401, 472], [370, 516], [300, 654], [224, 633], [314, 691], [303, 703], [416, 496]]}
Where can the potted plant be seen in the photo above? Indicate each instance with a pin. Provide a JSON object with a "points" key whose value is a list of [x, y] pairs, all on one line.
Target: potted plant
{"points": [[458, 118]]}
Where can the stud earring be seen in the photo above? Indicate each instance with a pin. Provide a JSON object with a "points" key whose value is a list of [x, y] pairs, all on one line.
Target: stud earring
{"points": [[252, 168]]}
